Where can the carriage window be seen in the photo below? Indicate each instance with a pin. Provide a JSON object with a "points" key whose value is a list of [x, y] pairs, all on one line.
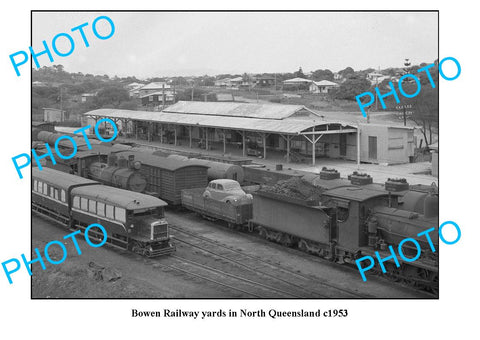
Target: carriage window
{"points": [[76, 202], [35, 183], [92, 206], [219, 187], [56, 194], [101, 208], [63, 196], [45, 189], [40, 186], [84, 203], [52, 192], [120, 214], [109, 211], [213, 185]]}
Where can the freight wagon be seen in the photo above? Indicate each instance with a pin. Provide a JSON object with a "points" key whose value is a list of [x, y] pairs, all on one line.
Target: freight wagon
{"points": [[166, 178], [233, 214]]}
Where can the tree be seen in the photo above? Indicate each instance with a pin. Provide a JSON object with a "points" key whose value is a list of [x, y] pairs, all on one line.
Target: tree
{"points": [[352, 87], [128, 105], [58, 68], [207, 81], [346, 72], [299, 73], [198, 94], [111, 95], [425, 109], [322, 75]]}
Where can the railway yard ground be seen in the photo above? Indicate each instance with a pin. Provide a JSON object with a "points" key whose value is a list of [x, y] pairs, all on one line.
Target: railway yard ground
{"points": [[211, 261]]}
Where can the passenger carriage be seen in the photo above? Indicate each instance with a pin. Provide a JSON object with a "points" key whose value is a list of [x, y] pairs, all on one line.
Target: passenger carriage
{"points": [[51, 191]]}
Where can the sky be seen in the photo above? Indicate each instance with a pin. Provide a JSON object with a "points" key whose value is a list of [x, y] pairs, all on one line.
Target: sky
{"points": [[156, 44]]}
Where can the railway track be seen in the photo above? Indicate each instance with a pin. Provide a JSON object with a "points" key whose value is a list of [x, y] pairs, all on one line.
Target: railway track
{"points": [[228, 279], [296, 284], [241, 274]]}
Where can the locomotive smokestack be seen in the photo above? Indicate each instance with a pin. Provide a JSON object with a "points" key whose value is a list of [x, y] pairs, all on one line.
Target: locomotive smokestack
{"points": [[131, 161]]}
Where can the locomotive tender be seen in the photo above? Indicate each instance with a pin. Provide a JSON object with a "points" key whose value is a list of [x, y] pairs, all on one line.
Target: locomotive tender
{"points": [[133, 221]]}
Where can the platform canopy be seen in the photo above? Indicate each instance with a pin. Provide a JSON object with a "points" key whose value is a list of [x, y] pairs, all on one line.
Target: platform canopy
{"points": [[285, 127]]}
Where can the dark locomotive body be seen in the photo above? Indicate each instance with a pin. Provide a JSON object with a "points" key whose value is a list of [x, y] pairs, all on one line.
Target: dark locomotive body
{"points": [[352, 221]]}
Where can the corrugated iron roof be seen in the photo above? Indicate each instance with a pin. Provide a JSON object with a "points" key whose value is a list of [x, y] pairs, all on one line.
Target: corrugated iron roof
{"points": [[290, 126], [154, 86], [250, 110], [325, 83], [297, 80], [158, 93]]}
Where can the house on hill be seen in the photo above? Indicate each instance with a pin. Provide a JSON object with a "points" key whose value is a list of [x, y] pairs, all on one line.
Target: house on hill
{"points": [[322, 86]]}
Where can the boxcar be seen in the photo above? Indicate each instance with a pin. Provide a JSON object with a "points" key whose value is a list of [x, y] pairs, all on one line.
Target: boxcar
{"points": [[166, 178]]}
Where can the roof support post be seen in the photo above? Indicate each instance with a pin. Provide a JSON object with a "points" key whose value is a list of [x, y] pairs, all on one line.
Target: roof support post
{"points": [[190, 136], [136, 129], [224, 142], [161, 133], [358, 148], [288, 148], [313, 141], [206, 138], [287, 139], [264, 140], [313, 150], [313, 146], [175, 134], [243, 144]]}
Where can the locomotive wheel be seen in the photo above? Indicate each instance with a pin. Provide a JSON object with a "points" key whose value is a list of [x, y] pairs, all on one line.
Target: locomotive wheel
{"points": [[393, 273], [433, 277]]}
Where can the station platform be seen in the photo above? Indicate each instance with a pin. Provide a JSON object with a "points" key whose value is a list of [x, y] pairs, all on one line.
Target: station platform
{"points": [[414, 173]]}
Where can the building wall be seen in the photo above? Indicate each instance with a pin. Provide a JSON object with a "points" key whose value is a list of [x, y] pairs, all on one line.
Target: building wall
{"points": [[394, 145], [435, 164], [53, 115]]}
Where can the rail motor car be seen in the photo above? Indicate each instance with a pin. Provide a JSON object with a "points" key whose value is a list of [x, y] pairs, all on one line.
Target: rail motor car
{"points": [[133, 221]]}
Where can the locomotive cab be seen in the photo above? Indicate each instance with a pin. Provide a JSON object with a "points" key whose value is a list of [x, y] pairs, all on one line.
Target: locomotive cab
{"points": [[148, 224], [353, 207]]}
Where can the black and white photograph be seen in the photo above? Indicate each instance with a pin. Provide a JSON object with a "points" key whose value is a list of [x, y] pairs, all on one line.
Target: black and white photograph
{"points": [[227, 157], [221, 170]]}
